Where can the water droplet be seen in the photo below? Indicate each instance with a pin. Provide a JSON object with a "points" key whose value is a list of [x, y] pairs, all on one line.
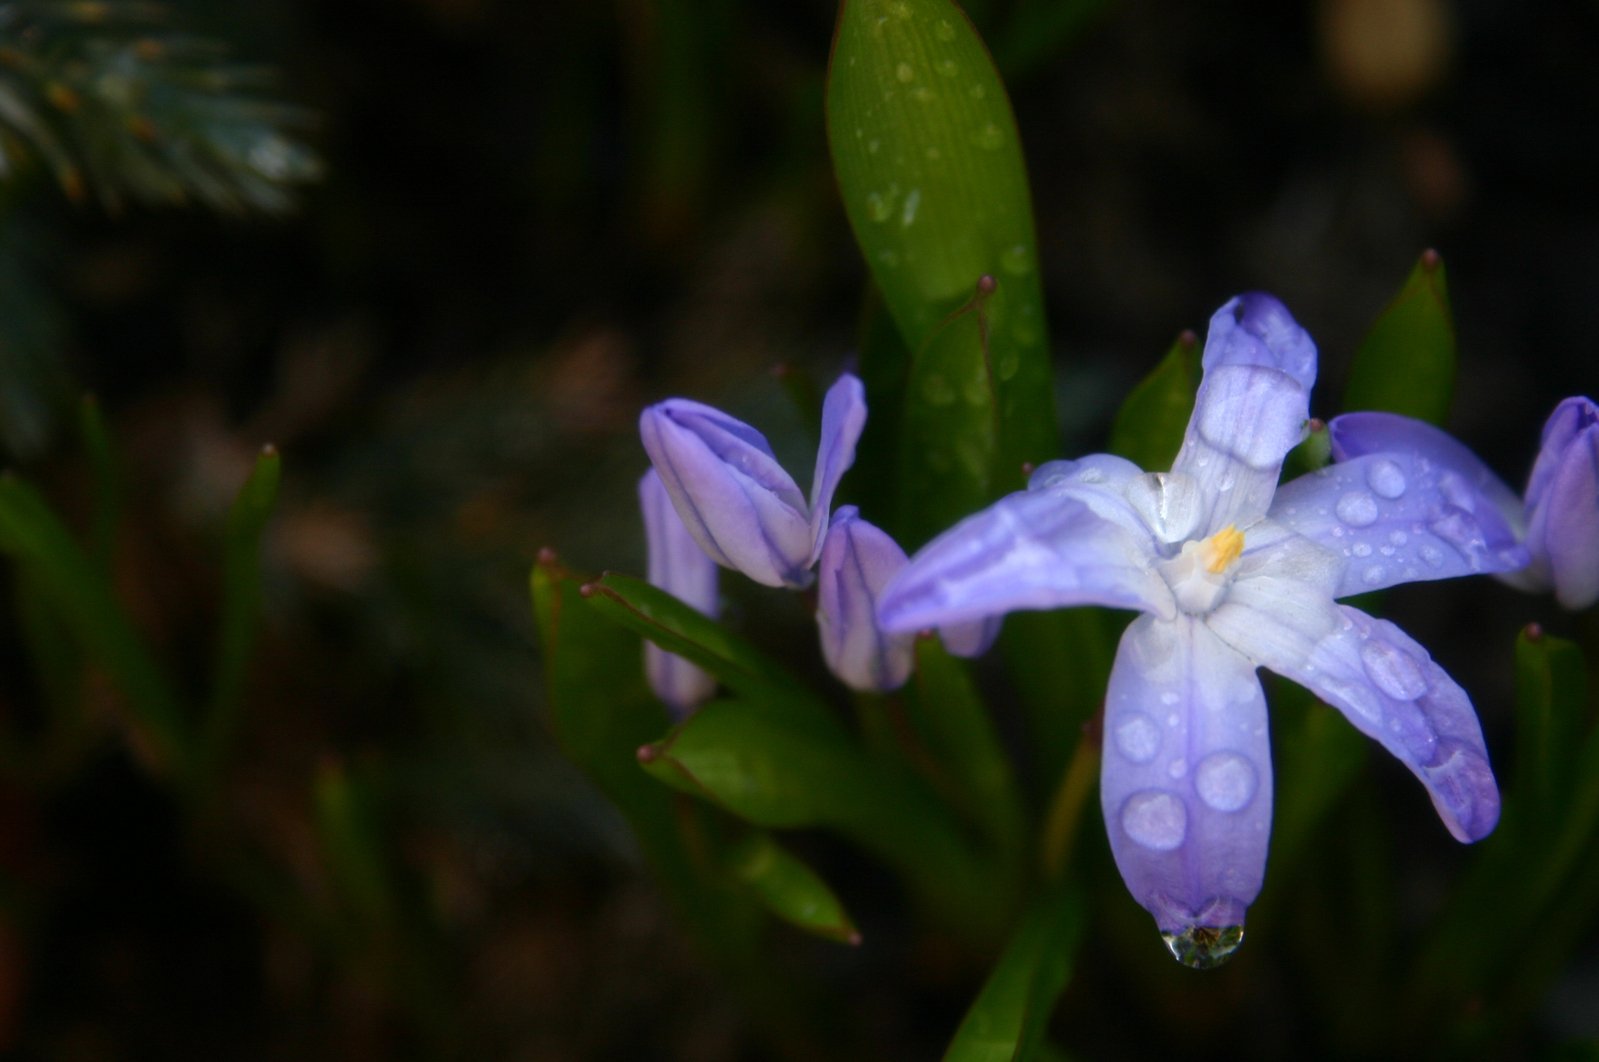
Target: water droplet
{"points": [[944, 31], [1460, 531], [1204, 947], [1173, 719], [937, 391], [1457, 492], [976, 391], [977, 92], [1356, 509], [990, 137], [1015, 260], [1393, 670], [1138, 737], [1169, 698], [1373, 575], [1155, 819], [1386, 478], [873, 145], [948, 67], [1177, 768], [1226, 781], [900, 10], [905, 74], [933, 154], [922, 94], [1432, 555], [1008, 366], [1398, 538], [879, 206], [1361, 549], [889, 257], [907, 213]]}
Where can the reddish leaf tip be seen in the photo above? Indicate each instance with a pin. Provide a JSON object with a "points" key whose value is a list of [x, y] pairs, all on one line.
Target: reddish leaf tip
{"points": [[546, 556], [986, 284], [1188, 339], [854, 938], [1431, 260], [588, 590], [1027, 468], [647, 753], [1534, 632]]}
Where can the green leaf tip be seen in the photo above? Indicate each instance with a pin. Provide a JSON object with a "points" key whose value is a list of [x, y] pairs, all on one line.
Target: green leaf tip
{"points": [[1406, 363]]}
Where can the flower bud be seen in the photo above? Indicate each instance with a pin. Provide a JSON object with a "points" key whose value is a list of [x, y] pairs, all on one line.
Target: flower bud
{"points": [[1563, 504], [678, 566]]}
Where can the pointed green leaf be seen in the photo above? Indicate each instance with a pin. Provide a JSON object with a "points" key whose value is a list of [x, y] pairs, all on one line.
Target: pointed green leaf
{"points": [[790, 889], [785, 770], [678, 628], [930, 168], [241, 599], [78, 591], [1010, 1015], [601, 712], [1406, 364], [1550, 688], [1149, 428]]}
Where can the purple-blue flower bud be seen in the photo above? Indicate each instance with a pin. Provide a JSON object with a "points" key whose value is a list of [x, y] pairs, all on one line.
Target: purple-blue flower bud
{"points": [[857, 561], [737, 502], [1563, 504], [678, 566]]}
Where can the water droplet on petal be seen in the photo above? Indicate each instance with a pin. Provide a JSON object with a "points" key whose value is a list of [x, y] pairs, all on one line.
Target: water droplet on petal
{"points": [[1177, 768], [1155, 819], [1204, 947], [1386, 478], [1432, 555], [1373, 575], [1169, 698], [1393, 670], [1138, 737], [1361, 549], [1226, 781], [1356, 509]]}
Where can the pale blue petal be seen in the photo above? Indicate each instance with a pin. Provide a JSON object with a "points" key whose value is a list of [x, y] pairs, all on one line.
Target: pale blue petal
{"points": [[1384, 683], [1399, 517], [857, 561], [843, 420], [680, 567], [1099, 481], [1186, 781], [1563, 505], [970, 639], [729, 490], [1251, 409], [1031, 550]]}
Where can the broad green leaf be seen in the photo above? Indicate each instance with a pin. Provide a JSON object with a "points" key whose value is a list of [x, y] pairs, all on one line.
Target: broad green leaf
{"points": [[790, 889], [241, 599], [1550, 687], [77, 590], [1008, 1020], [1150, 425], [1406, 363], [1059, 663], [785, 770], [930, 169], [678, 628], [954, 723], [601, 713]]}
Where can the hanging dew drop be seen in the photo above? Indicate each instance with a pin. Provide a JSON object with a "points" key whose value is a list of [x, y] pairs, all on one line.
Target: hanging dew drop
{"points": [[1204, 947]]}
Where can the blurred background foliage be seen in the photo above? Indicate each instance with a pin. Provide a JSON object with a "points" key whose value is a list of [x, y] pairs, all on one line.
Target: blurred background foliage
{"points": [[531, 219]]}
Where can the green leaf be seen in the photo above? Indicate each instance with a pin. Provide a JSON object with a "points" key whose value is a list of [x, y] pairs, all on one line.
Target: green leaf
{"points": [[790, 889], [1406, 364], [954, 723], [785, 770], [1011, 1013], [241, 600], [678, 628], [1059, 662], [601, 713], [1149, 428], [1550, 690], [77, 590], [930, 168]]}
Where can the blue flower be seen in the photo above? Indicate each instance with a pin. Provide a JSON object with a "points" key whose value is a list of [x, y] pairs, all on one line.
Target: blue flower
{"points": [[1559, 521], [1231, 574], [678, 566]]}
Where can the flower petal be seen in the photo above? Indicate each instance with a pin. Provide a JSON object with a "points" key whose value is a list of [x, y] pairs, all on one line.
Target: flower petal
{"points": [[1251, 408], [733, 496], [1399, 517], [1030, 550], [1384, 683], [843, 420], [857, 561], [1563, 504], [1186, 782], [678, 566]]}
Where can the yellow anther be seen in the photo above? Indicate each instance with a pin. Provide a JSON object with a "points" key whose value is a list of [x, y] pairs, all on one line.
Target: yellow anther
{"points": [[1222, 548]]}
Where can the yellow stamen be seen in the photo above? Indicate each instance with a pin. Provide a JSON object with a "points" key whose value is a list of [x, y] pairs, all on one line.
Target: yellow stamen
{"points": [[1222, 548]]}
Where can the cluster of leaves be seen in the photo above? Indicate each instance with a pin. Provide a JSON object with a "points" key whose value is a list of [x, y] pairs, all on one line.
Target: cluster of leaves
{"points": [[120, 107], [955, 358]]}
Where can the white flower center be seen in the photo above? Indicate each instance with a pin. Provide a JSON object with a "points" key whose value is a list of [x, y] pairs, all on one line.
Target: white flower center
{"points": [[1200, 575]]}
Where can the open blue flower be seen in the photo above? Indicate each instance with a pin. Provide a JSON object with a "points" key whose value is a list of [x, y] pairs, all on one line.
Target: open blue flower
{"points": [[1559, 520], [1231, 574]]}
